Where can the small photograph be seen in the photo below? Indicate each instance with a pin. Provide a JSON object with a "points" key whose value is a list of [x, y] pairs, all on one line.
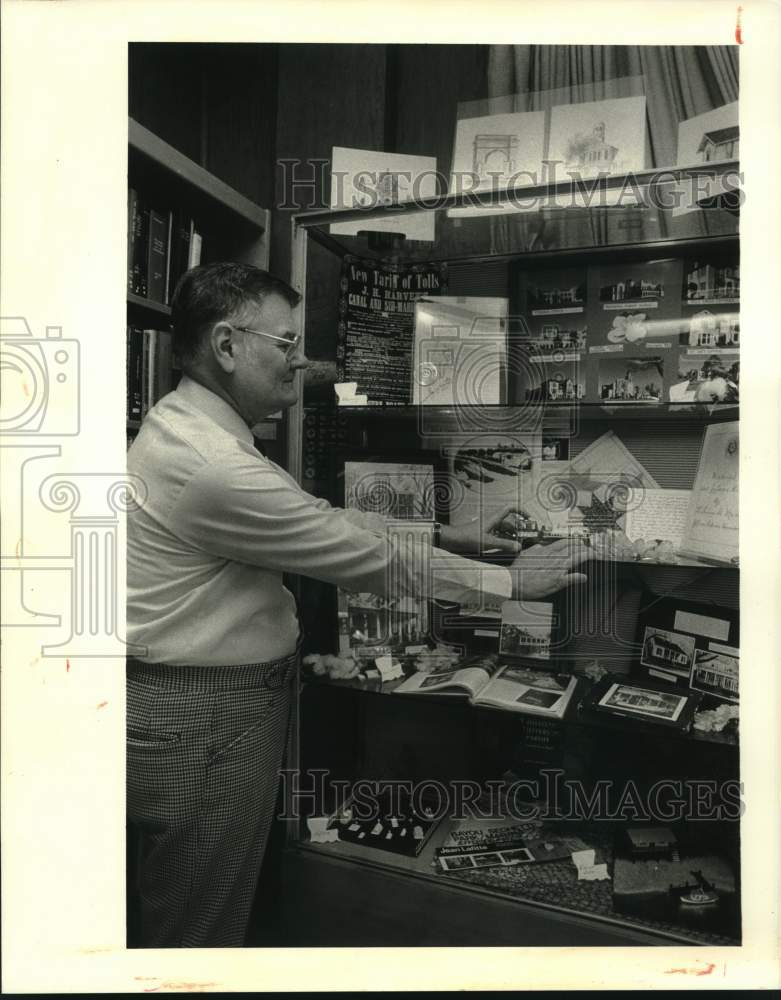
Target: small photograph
{"points": [[555, 380], [536, 678], [669, 651], [457, 863], [642, 701], [539, 699], [630, 380], [558, 338], [432, 679], [526, 629], [519, 855], [642, 285], [705, 378], [706, 283], [716, 673], [709, 329], [557, 292], [372, 620], [486, 860]]}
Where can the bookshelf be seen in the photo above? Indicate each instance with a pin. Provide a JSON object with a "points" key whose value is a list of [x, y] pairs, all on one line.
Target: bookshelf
{"points": [[199, 219]]}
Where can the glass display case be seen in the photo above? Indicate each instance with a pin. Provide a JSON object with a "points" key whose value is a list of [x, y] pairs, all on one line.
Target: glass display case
{"points": [[569, 353]]}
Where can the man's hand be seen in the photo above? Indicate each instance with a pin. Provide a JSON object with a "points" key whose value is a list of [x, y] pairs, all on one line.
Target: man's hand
{"points": [[544, 569], [470, 538]]}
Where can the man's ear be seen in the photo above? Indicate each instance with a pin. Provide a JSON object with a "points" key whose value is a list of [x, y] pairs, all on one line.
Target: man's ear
{"points": [[222, 346]]}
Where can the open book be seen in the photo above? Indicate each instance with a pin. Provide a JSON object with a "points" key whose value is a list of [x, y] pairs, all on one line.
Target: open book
{"points": [[485, 681]]}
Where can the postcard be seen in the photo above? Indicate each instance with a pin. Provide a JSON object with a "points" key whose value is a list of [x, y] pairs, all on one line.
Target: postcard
{"points": [[655, 705], [668, 651], [716, 673]]}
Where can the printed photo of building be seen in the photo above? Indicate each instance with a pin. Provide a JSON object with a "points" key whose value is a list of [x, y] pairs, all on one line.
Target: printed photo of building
{"points": [[707, 329], [631, 289], [716, 673], [668, 650], [706, 281], [556, 338], [556, 389], [541, 298]]}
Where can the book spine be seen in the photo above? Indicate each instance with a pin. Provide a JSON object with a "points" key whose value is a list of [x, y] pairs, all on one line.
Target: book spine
{"points": [[147, 371], [196, 247], [132, 212], [135, 351], [163, 363], [180, 250], [168, 251], [138, 239], [157, 253]]}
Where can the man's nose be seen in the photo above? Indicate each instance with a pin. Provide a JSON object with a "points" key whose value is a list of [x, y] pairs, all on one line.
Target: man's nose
{"points": [[299, 359]]}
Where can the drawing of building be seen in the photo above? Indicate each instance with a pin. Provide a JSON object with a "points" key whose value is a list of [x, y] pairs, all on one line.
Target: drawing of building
{"points": [[494, 155], [720, 144], [591, 153]]}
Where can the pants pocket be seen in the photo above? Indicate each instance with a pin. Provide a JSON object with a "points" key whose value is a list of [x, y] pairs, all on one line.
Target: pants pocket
{"points": [[145, 739]]}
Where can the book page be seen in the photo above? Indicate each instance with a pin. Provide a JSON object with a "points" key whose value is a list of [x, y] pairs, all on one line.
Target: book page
{"points": [[712, 522], [523, 690], [470, 679]]}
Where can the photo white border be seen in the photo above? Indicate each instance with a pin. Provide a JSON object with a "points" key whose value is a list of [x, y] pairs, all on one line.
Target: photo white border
{"points": [[64, 154]]}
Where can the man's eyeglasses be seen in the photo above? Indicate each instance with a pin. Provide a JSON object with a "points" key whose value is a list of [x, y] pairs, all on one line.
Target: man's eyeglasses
{"points": [[287, 344]]}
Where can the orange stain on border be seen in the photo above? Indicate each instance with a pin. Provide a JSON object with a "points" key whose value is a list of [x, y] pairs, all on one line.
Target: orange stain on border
{"points": [[739, 28], [693, 972], [102, 704], [67, 666]]}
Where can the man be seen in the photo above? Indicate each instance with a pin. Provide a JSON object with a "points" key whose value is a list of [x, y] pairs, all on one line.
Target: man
{"points": [[209, 695]]}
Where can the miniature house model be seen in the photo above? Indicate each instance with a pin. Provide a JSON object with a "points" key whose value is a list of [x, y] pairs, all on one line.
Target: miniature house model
{"points": [[494, 155], [721, 144]]}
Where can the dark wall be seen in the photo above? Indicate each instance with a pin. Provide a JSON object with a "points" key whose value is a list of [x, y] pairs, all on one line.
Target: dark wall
{"points": [[216, 103], [238, 109]]}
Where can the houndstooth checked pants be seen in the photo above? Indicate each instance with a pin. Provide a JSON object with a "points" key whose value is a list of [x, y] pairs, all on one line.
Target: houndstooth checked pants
{"points": [[204, 750]]}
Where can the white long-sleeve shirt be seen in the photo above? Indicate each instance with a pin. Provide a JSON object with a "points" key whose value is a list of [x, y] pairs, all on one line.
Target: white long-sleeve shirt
{"points": [[220, 525]]}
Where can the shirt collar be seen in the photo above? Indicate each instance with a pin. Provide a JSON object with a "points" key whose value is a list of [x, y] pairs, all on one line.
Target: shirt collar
{"points": [[214, 407]]}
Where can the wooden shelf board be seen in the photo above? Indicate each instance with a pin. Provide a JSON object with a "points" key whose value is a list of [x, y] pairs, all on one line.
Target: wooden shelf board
{"points": [[154, 148], [142, 303]]}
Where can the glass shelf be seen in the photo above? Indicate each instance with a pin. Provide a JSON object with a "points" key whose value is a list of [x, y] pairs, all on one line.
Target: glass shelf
{"points": [[627, 210]]}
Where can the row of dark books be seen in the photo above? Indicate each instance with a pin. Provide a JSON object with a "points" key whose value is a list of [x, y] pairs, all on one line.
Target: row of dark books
{"points": [[161, 245], [150, 372]]}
